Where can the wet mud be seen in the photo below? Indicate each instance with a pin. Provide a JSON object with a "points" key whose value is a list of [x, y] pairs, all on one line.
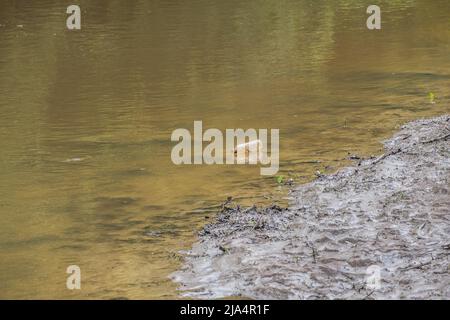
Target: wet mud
{"points": [[388, 214]]}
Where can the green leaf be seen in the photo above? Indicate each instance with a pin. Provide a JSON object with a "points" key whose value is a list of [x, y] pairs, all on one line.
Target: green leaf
{"points": [[280, 179], [431, 96]]}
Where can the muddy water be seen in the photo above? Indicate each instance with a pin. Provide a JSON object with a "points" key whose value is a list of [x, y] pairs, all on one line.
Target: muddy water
{"points": [[86, 117]]}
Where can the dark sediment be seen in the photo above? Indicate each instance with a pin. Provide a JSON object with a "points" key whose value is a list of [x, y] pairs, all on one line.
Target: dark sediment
{"points": [[390, 213]]}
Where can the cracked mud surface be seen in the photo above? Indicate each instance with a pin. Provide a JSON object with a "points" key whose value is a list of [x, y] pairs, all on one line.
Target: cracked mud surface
{"points": [[390, 213]]}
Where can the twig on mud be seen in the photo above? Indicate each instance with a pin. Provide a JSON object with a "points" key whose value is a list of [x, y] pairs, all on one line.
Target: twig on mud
{"points": [[369, 294], [437, 139], [419, 266], [406, 137], [313, 249], [433, 258], [384, 156]]}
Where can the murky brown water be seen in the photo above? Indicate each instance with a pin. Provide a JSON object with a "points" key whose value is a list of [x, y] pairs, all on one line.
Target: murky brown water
{"points": [[86, 117]]}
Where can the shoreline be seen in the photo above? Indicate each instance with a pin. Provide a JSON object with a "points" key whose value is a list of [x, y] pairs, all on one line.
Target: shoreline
{"points": [[391, 213]]}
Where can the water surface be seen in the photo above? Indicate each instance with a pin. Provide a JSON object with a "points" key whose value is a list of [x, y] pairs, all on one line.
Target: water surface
{"points": [[86, 117]]}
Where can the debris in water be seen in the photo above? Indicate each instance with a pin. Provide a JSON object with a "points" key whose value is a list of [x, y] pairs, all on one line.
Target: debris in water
{"points": [[76, 159], [432, 97]]}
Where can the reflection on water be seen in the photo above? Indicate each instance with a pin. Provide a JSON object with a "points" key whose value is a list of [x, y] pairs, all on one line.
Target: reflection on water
{"points": [[86, 118]]}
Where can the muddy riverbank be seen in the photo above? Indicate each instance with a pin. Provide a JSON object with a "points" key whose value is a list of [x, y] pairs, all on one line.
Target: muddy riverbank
{"points": [[389, 213]]}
